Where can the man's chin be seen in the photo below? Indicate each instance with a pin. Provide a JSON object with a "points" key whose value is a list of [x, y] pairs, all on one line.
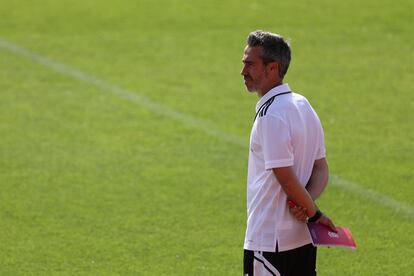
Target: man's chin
{"points": [[250, 89]]}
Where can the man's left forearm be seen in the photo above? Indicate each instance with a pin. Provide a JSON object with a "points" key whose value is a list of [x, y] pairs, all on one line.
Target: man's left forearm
{"points": [[318, 179]]}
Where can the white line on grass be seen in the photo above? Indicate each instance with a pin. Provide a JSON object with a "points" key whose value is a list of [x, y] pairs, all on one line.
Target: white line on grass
{"points": [[122, 93], [397, 206]]}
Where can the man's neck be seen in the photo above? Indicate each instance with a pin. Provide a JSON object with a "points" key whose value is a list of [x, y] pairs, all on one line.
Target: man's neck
{"points": [[261, 94]]}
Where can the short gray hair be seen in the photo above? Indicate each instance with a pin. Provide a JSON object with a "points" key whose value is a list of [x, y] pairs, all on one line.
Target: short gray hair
{"points": [[275, 48]]}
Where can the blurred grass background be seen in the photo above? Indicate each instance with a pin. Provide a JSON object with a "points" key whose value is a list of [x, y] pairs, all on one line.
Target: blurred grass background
{"points": [[95, 184]]}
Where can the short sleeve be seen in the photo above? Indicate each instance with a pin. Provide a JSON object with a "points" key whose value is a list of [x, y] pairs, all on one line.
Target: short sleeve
{"points": [[321, 152], [276, 142]]}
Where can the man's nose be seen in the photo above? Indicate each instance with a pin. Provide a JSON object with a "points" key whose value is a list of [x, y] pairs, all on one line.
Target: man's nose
{"points": [[243, 71]]}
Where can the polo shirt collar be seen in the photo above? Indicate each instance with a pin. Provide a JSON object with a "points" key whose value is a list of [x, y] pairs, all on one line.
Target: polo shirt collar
{"points": [[272, 92]]}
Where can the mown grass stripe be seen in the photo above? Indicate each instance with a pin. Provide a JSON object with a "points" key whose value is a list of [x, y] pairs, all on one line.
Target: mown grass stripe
{"points": [[123, 93], [376, 197]]}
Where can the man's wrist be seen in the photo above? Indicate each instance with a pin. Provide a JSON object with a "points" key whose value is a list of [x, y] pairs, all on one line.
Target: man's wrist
{"points": [[316, 216]]}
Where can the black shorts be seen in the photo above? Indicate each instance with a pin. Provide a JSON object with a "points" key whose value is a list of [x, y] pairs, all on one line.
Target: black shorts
{"points": [[300, 261]]}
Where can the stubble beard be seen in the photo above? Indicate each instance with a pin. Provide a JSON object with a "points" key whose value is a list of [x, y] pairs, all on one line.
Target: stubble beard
{"points": [[250, 88]]}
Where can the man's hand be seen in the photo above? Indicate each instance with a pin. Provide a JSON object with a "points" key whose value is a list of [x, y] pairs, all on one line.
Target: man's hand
{"points": [[325, 220], [300, 214], [298, 211]]}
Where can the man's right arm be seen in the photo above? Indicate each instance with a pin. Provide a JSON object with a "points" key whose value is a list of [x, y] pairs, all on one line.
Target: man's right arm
{"points": [[297, 193], [315, 186]]}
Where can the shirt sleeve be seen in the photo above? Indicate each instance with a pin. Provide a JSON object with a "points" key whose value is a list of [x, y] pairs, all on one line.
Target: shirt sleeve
{"points": [[276, 142], [321, 152]]}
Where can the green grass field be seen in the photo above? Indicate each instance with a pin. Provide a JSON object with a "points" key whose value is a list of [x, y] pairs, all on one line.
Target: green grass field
{"points": [[124, 132]]}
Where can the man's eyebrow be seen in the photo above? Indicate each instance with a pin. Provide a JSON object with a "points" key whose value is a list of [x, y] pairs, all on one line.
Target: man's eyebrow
{"points": [[247, 61]]}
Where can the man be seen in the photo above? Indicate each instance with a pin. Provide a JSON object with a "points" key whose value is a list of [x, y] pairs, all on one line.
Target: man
{"points": [[286, 163]]}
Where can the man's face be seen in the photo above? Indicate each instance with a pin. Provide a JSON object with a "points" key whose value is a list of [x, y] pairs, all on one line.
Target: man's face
{"points": [[254, 71]]}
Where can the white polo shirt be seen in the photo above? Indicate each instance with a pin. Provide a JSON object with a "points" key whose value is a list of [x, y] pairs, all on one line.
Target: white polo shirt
{"points": [[286, 132]]}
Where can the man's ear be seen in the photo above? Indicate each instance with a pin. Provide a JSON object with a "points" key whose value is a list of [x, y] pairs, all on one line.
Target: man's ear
{"points": [[273, 68], [276, 67]]}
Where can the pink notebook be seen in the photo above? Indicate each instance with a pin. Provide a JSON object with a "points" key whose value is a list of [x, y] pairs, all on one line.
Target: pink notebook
{"points": [[322, 235]]}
